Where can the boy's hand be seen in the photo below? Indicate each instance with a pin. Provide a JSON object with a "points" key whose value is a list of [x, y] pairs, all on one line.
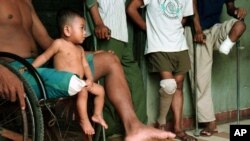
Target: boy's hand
{"points": [[89, 84]]}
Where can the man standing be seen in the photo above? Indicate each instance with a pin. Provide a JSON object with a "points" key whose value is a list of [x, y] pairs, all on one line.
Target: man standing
{"points": [[211, 34], [110, 27], [167, 53]]}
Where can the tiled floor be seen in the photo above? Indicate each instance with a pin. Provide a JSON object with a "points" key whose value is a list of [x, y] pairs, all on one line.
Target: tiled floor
{"points": [[223, 134]]}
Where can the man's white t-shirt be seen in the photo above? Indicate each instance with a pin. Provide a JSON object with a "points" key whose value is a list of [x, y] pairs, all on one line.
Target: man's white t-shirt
{"points": [[164, 28]]}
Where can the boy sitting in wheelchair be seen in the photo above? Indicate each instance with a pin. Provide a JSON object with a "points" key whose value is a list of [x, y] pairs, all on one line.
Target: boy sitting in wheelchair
{"points": [[69, 56]]}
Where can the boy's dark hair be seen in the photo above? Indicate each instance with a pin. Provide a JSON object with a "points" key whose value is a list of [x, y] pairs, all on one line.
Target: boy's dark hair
{"points": [[64, 15]]}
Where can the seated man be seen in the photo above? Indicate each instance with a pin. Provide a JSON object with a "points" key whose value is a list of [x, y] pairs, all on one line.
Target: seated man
{"points": [[11, 87], [23, 29]]}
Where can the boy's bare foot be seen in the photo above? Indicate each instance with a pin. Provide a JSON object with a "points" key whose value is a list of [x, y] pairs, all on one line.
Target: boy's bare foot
{"points": [[147, 133], [87, 127], [99, 119]]}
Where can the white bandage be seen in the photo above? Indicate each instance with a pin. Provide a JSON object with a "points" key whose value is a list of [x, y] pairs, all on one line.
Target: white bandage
{"points": [[168, 85], [75, 85], [226, 46]]}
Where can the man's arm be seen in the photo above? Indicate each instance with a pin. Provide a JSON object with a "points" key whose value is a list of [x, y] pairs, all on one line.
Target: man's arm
{"points": [[133, 12], [239, 13], [101, 30], [11, 86], [199, 36], [38, 30]]}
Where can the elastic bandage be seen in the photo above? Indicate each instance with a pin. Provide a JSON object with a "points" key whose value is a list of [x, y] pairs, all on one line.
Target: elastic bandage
{"points": [[226, 46]]}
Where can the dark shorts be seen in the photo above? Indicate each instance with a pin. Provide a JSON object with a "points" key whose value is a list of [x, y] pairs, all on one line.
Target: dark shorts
{"points": [[56, 82], [175, 62]]}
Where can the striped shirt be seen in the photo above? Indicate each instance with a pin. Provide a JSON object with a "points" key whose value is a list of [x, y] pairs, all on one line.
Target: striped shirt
{"points": [[114, 17]]}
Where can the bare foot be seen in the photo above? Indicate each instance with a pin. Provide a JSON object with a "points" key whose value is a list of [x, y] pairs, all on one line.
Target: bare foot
{"points": [[147, 133], [87, 127], [99, 119]]}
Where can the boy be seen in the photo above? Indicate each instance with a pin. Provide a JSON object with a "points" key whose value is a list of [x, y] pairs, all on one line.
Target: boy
{"points": [[68, 55]]}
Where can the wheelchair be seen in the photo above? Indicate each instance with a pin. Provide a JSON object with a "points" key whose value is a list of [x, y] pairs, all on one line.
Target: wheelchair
{"points": [[31, 124]]}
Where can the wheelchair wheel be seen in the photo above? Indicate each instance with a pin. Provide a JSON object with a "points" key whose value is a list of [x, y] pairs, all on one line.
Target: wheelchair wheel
{"points": [[16, 124]]}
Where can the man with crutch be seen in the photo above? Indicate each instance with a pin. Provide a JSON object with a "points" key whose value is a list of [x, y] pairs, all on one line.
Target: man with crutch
{"points": [[211, 34]]}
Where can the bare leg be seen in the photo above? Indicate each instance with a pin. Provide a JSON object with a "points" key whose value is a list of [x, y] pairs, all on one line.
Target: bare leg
{"points": [[81, 104], [177, 107], [177, 104], [108, 65], [98, 103]]}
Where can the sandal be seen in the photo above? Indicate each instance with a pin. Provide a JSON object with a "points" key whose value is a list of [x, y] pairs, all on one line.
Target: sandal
{"points": [[208, 132], [160, 126], [183, 136]]}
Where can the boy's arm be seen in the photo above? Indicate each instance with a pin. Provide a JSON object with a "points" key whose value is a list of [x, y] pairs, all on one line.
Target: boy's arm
{"points": [[133, 12], [199, 36], [239, 13], [44, 57], [87, 70]]}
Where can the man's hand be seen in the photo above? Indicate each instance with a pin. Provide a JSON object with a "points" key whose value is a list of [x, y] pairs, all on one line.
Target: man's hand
{"points": [[11, 87], [102, 32], [200, 37], [240, 13]]}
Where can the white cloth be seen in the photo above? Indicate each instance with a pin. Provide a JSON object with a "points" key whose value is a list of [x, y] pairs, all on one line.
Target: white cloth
{"points": [[75, 85], [113, 15], [164, 28], [226, 46]]}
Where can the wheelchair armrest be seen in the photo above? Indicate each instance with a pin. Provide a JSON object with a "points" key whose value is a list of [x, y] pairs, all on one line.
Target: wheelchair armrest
{"points": [[29, 67]]}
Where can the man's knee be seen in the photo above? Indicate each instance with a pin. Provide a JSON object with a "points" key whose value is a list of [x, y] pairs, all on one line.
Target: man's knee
{"points": [[114, 58], [168, 85], [240, 26], [109, 57]]}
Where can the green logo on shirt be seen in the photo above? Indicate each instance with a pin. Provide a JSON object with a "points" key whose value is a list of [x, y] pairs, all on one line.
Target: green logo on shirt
{"points": [[171, 8]]}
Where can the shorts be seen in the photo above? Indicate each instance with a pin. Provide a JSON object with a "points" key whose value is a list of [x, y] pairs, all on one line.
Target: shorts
{"points": [[175, 62], [56, 82], [75, 85]]}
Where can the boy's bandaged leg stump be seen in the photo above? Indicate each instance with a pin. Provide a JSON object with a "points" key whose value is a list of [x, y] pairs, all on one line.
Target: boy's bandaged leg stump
{"points": [[75, 85], [168, 88], [226, 46]]}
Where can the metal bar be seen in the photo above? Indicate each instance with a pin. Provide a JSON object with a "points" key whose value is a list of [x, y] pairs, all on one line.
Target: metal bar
{"points": [[238, 79], [196, 132]]}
